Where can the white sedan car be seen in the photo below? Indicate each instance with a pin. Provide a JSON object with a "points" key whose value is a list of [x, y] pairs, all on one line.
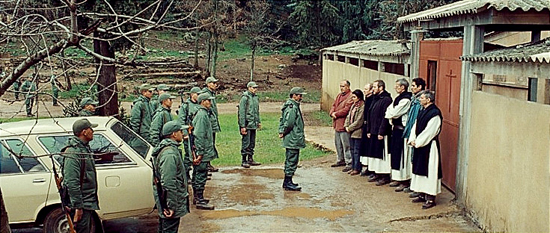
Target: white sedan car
{"points": [[28, 185]]}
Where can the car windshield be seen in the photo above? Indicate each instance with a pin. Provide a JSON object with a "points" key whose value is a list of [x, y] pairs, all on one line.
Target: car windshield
{"points": [[131, 138]]}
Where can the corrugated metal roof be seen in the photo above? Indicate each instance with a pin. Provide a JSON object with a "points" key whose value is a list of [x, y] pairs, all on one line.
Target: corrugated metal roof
{"points": [[475, 6], [373, 48], [537, 53]]}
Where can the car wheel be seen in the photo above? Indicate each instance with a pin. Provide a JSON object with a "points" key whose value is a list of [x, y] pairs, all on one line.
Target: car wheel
{"points": [[56, 222]]}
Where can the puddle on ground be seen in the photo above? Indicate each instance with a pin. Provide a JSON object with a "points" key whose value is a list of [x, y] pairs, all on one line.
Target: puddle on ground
{"points": [[273, 173], [247, 193], [302, 212]]}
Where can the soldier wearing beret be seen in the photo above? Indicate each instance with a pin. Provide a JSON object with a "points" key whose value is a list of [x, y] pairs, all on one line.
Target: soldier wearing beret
{"points": [[211, 87], [87, 106], [171, 174], [291, 130], [142, 114], [161, 117], [80, 176], [155, 101], [249, 122]]}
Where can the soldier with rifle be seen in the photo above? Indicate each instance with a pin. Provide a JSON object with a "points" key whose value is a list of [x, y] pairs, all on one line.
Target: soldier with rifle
{"points": [[185, 117], [169, 179], [80, 176]]}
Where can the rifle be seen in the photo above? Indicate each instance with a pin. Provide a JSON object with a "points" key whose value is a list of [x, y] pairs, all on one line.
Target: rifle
{"points": [[63, 197], [161, 192], [196, 159]]}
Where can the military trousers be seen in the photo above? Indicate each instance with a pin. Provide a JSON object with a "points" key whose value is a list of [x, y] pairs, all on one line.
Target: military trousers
{"points": [[248, 144], [188, 157], [84, 225], [200, 173], [169, 225], [29, 102], [55, 94], [291, 161], [214, 145]]}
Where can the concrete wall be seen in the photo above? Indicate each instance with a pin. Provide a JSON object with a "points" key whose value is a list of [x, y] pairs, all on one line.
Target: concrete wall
{"points": [[508, 168], [334, 72]]}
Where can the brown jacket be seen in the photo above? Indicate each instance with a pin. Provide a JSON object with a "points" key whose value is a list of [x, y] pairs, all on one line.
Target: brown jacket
{"points": [[355, 126], [341, 107]]}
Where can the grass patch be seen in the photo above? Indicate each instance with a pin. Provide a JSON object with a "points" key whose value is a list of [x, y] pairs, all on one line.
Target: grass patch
{"points": [[268, 145], [320, 118], [78, 90]]}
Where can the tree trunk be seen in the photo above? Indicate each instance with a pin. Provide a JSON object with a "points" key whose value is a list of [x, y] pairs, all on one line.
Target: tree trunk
{"points": [[67, 78], [215, 48], [209, 52], [252, 62], [107, 88], [197, 35]]}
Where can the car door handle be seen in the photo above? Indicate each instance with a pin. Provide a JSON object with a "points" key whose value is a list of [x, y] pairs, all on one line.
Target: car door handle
{"points": [[39, 180]]}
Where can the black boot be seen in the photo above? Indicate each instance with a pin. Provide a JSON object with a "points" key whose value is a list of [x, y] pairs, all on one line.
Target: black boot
{"points": [[197, 199], [287, 184], [292, 182], [202, 204], [245, 162], [251, 161]]}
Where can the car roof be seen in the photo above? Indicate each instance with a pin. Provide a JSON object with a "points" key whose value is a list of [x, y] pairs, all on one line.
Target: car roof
{"points": [[49, 125]]}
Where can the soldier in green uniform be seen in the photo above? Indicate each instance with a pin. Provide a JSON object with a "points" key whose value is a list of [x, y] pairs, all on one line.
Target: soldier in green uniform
{"points": [[291, 130], [211, 87], [185, 117], [141, 114], [79, 175], [204, 144], [155, 102], [55, 89], [169, 167], [161, 117], [87, 106], [29, 89], [249, 121]]}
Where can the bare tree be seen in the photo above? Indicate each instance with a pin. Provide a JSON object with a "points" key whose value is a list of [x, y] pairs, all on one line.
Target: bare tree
{"points": [[48, 29]]}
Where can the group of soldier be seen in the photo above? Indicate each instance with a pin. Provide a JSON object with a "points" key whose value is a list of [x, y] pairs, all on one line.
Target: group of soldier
{"points": [[396, 140], [195, 130], [27, 87]]}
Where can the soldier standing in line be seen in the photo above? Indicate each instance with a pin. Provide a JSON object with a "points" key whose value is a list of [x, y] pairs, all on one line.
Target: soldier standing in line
{"points": [[185, 117], [291, 130], [204, 144], [249, 121], [211, 87], [141, 114], [161, 117], [88, 106], [80, 176], [169, 168], [161, 89], [29, 89], [55, 89]]}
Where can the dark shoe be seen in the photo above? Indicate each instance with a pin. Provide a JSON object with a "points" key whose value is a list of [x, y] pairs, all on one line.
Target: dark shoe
{"points": [[208, 174], [289, 186], [394, 184], [373, 178], [382, 181], [254, 163], [428, 204], [55, 104], [401, 188], [208, 178], [292, 182], [30, 115], [407, 190], [414, 194], [245, 165], [346, 169], [339, 164], [354, 173], [418, 200], [212, 169], [366, 172], [202, 205]]}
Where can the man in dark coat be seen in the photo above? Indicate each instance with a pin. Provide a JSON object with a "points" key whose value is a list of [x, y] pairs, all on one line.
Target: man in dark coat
{"points": [[427, 174], [365, 141], [378, 132]]}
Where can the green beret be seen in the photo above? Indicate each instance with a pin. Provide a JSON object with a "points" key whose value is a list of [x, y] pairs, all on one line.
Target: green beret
{"points": [[251, 84], [171, 127], [211, 80], [163, 87], [165, 96], [82, 124], [195, 90], [297, 91], [204, 96], [86, 101]]}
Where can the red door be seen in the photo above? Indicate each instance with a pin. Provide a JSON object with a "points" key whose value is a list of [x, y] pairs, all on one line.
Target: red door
{"points": [[441, 67]]}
